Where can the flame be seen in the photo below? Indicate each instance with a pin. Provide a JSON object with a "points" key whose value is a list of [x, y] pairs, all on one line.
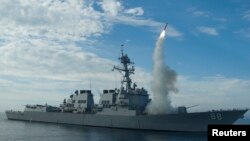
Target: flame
{"points": [[163, 34]]}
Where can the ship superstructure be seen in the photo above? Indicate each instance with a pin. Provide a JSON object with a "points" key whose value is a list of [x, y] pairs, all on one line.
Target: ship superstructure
{"points": [[128, 100]]}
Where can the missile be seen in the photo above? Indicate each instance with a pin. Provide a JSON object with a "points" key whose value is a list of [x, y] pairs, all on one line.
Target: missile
{"points": [[165, 26]]}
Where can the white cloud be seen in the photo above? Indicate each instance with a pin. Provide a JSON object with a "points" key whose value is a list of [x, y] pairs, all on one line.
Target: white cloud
{"points": [[116, 13], [41, 58], [206, 14], [111, 7], [72, 20], [213, 93], [221, 19], [55, 20], [246, 15], [208, 30], [245, 32], [171, 30], [200, 13], [138, 11], [36, 36]]}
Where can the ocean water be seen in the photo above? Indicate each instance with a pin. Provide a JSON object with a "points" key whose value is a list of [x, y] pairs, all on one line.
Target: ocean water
{"points": [[34, 131]]}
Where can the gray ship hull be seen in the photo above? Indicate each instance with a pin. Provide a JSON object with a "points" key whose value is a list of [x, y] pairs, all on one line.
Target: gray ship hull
{"points": [[191, 122]]}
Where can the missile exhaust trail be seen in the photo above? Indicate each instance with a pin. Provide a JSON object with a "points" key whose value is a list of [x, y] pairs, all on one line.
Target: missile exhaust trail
{"points": [[163, 82]]}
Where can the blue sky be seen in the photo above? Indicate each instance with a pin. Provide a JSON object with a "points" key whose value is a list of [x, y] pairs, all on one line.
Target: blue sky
{"points": [[50, 48], [194, 53]]}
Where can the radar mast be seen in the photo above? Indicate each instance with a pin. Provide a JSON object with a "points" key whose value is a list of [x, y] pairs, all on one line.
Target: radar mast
{"points": [[126, 69]]}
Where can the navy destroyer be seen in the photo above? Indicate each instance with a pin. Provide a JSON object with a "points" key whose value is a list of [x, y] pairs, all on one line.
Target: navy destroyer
{"points": [[123, 108]]}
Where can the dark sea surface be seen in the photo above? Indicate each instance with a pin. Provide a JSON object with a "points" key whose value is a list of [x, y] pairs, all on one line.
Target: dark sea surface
{"points": [[33, 131]]}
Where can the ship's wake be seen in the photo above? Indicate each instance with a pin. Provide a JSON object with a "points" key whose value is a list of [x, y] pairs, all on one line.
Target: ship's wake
{"points": [[163, 82]]}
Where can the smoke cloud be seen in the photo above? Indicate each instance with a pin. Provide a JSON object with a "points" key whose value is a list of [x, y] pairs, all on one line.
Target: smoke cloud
{"points": [[163, 82]]}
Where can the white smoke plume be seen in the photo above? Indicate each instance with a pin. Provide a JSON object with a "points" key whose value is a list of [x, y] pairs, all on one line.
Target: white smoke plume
{"points": [[163, 82]]}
